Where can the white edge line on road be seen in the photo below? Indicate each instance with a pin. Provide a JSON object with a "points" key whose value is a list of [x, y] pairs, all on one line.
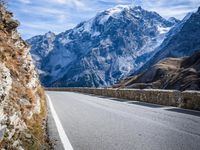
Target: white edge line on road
{"points": [[64, 139]]}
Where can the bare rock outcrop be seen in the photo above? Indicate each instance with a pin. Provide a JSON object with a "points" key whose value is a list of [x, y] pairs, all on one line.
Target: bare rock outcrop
{"points": [[22, 106], [171, 73]]}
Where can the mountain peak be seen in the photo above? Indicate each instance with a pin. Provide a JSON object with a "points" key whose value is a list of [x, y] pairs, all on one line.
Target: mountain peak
{"points": [[198, 11], [121, 8], [50, 34], [127, 7], [173, 20], [128, 12], [107, 47]]}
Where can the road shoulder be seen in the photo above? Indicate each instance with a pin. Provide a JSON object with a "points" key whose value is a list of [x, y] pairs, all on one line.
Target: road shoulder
{"points": [[53, 131]]}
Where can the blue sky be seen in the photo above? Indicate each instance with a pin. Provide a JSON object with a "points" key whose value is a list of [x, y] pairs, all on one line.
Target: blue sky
{"points": [[40, 16]]}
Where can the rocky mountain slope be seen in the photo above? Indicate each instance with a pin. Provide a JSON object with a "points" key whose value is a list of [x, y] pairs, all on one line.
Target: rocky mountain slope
{"points": [[182, 40], [22, 109], [171, 73], [102, 50]]}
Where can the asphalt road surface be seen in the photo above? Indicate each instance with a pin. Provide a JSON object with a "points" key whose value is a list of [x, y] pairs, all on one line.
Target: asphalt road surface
{"points": [[101, 123]]}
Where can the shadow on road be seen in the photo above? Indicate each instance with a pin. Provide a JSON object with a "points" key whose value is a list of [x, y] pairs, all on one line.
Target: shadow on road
{"points": [[146, 104], [129, 101], [178, 110], [184, 111]]}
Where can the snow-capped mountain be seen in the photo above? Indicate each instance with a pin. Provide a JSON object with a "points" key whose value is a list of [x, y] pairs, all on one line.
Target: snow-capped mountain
{"points": [[182, 40], [102, 50]]}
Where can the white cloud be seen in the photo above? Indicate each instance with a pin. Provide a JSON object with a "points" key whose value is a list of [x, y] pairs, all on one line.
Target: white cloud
{"points": [[61, 1], [25, 1], [175, 8], [39, 16]]}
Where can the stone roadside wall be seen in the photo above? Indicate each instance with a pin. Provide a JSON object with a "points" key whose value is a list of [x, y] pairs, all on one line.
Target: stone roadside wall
{"points": [[186, 99]]}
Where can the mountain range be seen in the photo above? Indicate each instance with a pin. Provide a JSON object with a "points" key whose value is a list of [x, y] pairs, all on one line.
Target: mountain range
{"points": [[116, 43], [183, 40], [169, 68], [102, 50]]}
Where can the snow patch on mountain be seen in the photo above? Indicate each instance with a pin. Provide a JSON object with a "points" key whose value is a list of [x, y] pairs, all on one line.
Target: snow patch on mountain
{"points": [[100, 51], [163, 30], [182, 40]]}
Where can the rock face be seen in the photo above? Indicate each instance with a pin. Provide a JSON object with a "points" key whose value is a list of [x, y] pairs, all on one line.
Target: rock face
{"points": [[20, 90], [182, 40], [102, 50], [172, 73]]}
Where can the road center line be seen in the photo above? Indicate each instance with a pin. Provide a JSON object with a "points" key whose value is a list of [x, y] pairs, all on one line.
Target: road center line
{"points": [[64, 139]]}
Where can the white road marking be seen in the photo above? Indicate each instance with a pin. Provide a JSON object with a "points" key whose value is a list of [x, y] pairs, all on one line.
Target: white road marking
{"points": [[64, 139]]}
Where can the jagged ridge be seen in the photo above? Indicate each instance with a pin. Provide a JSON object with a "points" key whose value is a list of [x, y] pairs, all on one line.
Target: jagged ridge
{"points": [[182, 40], [100, 51]]}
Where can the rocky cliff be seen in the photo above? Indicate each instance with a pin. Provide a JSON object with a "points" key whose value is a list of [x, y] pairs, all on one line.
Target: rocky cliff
{"points": [[22, 109]]}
